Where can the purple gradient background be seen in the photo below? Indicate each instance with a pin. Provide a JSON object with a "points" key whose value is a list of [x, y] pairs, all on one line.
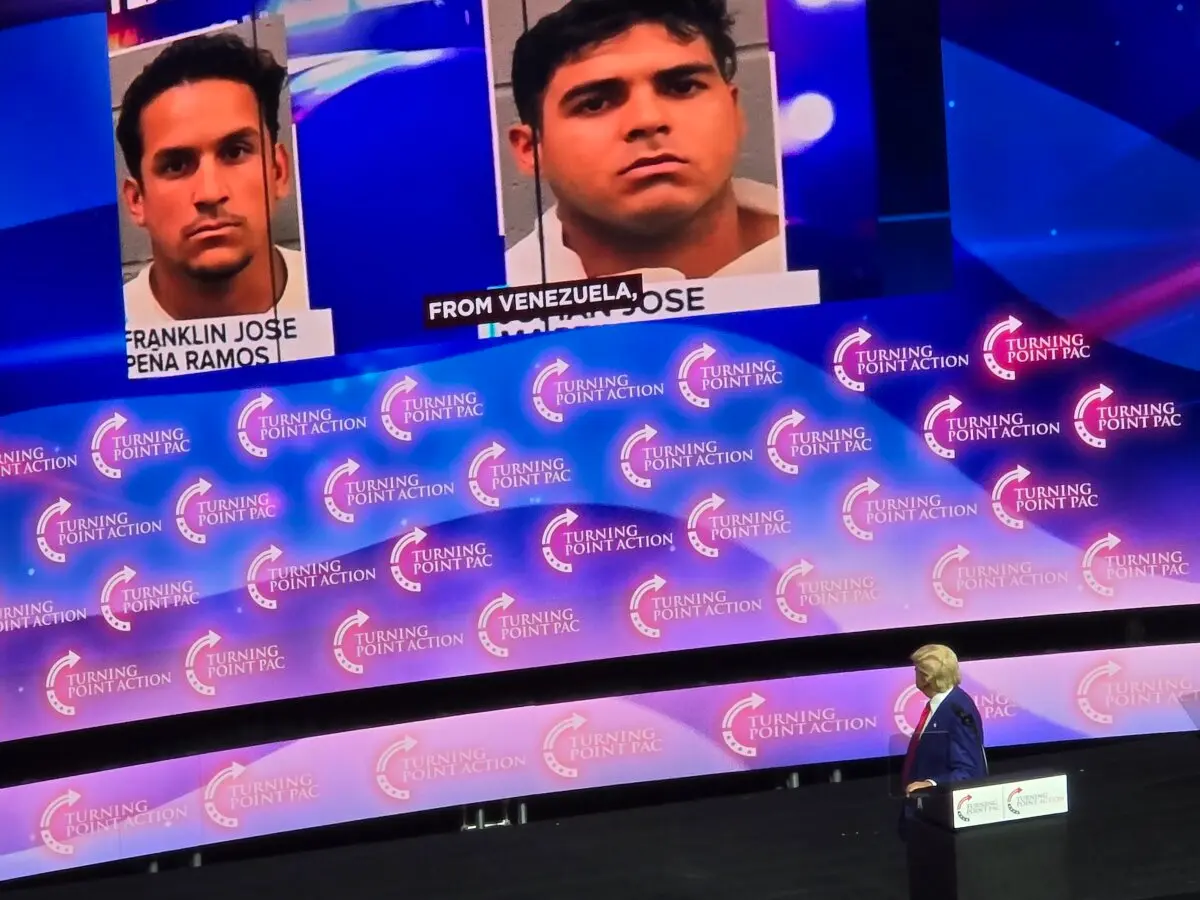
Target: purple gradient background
{"points": [[675, 734]]}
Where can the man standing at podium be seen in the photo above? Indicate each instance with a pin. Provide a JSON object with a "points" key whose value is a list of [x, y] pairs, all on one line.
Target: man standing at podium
{"points": [[947, 743]]}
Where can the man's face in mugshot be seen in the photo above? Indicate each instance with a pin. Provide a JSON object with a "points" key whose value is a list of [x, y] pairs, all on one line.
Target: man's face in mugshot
{"points": [[202, 195], [638, 133]]}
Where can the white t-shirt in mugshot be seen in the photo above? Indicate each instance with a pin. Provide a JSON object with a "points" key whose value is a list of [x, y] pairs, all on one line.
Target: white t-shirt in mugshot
{"points": [[523, 263], [142, 309]]}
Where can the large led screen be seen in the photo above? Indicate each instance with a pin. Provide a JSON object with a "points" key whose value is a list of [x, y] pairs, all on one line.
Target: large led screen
{"points": [[532, 750]]}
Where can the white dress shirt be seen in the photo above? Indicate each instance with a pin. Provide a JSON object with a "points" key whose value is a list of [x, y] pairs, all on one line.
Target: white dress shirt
{"points": [[934, 702], [142, 309], [523, 263]]}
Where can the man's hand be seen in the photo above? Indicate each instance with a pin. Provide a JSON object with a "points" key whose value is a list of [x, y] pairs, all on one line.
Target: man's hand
{"points": [[917, 786]]}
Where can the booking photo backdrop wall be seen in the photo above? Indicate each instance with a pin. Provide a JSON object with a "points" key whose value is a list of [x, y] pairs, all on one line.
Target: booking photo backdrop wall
{"points": [[1022, 445]]}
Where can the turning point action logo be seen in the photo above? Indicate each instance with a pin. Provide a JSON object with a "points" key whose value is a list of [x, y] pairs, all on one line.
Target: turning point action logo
{"points": [[640, 458], [55, 531], [561, 544], [112, 446], [342, 494], [227, 793], [852, 367], [744, 728], [943, 431], [258, 429], [553, 394], [862, 511], [1004, 349], [647, 604], [1096, 418], [82, 683], [954, 581], [566, 745], [68, 817], [392, 640]]}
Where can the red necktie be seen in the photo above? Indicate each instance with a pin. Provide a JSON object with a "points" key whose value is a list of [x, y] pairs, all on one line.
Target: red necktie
{"points": [[911, 755]]}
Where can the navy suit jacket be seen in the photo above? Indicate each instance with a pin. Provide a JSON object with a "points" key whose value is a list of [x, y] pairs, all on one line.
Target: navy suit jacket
{"points": [[951, 747]]}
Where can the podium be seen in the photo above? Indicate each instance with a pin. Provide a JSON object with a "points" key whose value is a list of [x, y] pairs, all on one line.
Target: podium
{"points": [[1002, 836]]}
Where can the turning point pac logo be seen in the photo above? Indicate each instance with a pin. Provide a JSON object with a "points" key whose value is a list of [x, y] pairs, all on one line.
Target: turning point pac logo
{"points": [[496, 627], [196, 513], [567, 744], [1014, 496], [489, 480], [699, 379], [234, 790], [112, 446], [1096, 418], [403, 408], [1004, 350], [707, 529], [1102, 568], [787, 441]]}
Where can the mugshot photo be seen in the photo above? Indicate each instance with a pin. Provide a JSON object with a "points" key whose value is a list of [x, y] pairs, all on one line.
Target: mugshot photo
{"points": [[635, 136], [207, 180]]}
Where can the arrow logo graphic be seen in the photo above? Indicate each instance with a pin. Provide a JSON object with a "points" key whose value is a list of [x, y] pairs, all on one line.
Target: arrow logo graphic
{"points": [[199, 489], [404, 745], [754, 701], [70, 798], [709, 504], [558, 367], [958, 554], [124, 576], [58, 508], [791, 420], [205, 642], [565, 518], [799, 570], [643, 434], [258, 404], [1015, 476], [656, 583], [1008, 326], [404, 386], [346, 469], [1097, 394], [271, 554], [411, 539], [858, 338], [1109, 542], [870, 486], [115, 422], [231, 772], [493, 451], [65, 662], [899, 707], [573, 723], [504, 601], [1108, 670], [949, 405], [358, 620], [683, 375]]}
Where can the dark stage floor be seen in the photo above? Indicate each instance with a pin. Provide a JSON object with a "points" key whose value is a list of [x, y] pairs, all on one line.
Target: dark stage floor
{"points": [[1135, 835]]}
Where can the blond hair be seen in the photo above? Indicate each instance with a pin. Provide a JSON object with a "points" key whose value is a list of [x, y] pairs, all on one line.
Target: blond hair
{"points": [[939, 664]]}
